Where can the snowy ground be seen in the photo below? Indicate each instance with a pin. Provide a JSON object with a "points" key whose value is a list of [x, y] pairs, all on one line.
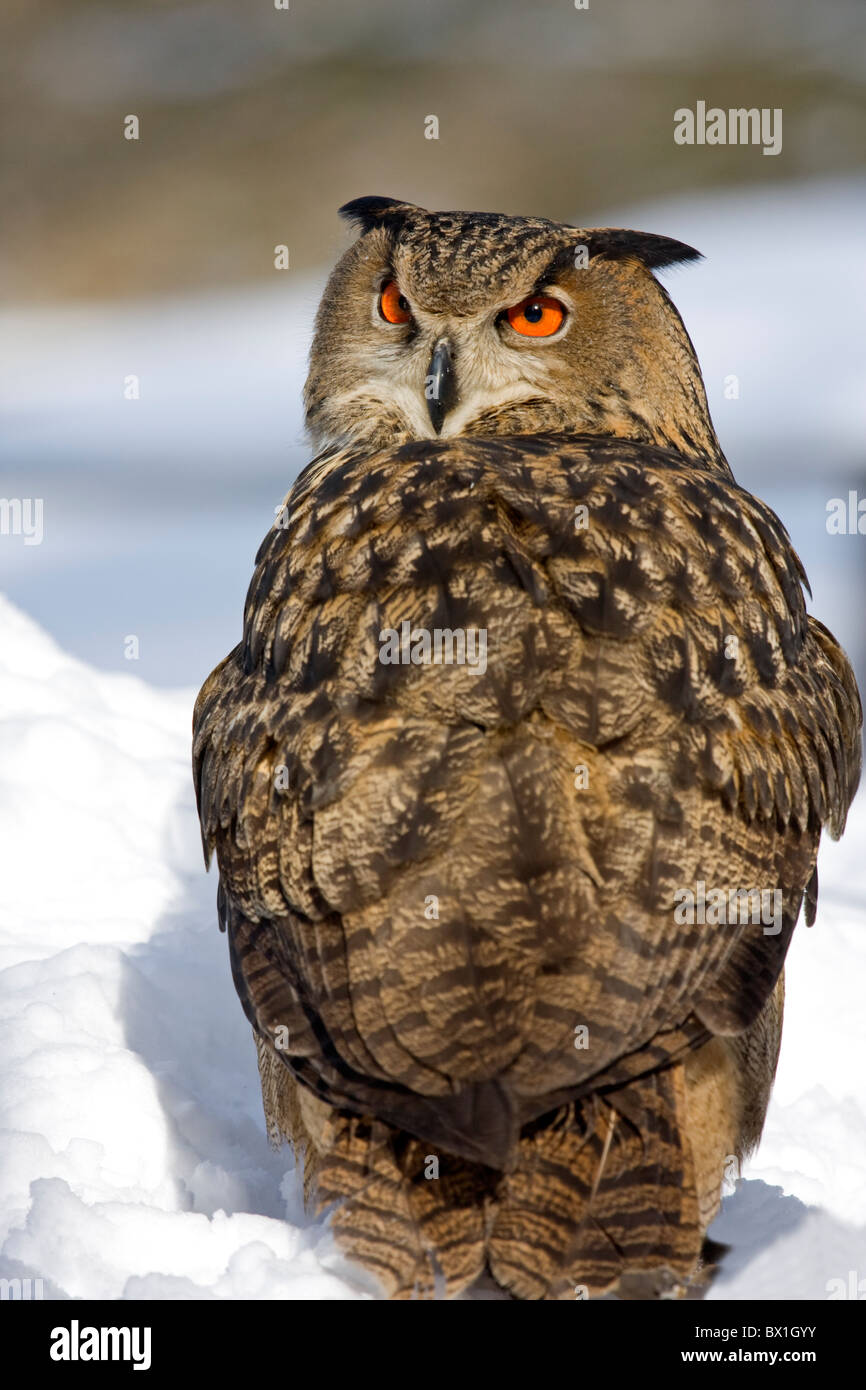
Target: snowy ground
{"points": [[134, 1160]]}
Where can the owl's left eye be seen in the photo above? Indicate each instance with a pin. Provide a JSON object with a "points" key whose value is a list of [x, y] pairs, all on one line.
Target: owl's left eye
{"points": [[394, 306], [536, 317]]}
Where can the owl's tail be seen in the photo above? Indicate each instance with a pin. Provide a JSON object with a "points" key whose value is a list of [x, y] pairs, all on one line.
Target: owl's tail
{"points": [[602, 1198]]}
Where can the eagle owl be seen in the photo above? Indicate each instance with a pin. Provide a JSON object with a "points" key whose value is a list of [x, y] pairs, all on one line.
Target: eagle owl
{"points": [[517, 777]]}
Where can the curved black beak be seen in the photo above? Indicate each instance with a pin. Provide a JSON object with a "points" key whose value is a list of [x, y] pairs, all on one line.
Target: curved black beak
{"points": [[440, 388]]}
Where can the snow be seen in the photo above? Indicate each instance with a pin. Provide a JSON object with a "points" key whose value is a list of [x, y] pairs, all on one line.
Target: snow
{"points": [[135, 1162]]}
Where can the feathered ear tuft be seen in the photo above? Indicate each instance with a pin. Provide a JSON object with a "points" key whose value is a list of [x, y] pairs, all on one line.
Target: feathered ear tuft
{"points": [[616, 244], [373, 211]]}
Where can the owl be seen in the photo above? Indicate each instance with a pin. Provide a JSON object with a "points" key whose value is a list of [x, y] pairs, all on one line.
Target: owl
{"points": [[517, 777]]}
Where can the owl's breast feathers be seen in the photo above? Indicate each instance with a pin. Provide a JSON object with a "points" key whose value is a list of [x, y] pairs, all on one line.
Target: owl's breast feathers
{"points": [[434, 874]]}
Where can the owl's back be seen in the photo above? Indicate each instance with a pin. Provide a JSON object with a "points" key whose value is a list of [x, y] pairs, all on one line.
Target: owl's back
{"points": [[451, 886]]}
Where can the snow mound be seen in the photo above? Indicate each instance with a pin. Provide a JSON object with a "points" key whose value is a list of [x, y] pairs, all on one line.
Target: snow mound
{"points": [[134, 1158]]}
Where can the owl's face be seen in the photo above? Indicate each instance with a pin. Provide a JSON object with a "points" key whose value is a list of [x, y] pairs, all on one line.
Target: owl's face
{"points": [[440, 324]]}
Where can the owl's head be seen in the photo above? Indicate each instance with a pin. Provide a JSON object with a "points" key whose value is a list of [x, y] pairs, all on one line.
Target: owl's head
{"points": [[457, 323]]}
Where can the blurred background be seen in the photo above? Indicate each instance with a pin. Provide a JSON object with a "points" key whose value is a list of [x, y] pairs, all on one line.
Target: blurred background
{"points": [[154, 258]]}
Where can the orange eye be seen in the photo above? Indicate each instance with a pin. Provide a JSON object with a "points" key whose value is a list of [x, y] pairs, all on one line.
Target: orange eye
{"points": [[393, 306], [536, 317]]}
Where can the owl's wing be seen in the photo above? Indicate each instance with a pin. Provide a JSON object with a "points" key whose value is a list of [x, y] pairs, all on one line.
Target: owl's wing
{"points": [[434, 876]]}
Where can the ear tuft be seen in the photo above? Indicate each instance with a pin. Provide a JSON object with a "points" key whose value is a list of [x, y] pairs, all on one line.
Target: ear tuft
{"points": [[373, 211], [616, 244]]}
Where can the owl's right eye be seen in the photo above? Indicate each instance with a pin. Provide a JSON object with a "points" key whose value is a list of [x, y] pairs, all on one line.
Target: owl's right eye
{"points": [[394, 306]]}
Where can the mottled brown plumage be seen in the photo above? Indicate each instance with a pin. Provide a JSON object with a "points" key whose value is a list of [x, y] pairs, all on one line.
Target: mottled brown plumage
{"points": [[433, 877]]}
